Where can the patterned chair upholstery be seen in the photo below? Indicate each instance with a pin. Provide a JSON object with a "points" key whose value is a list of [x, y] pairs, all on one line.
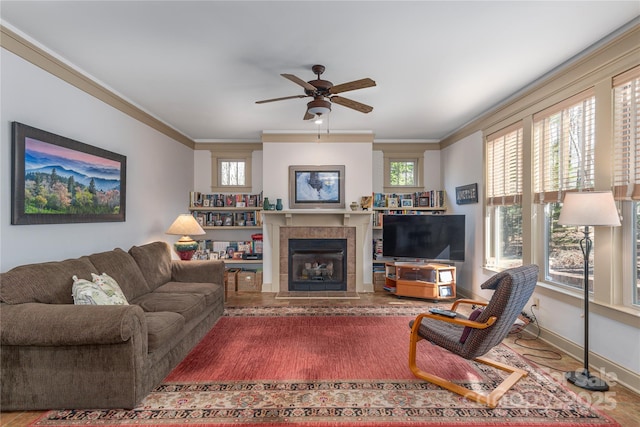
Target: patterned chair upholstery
{"points": [[512, 289]]}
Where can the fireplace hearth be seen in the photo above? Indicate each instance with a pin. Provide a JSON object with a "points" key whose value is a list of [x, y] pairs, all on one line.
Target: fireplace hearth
{"points": [[317, 264]]}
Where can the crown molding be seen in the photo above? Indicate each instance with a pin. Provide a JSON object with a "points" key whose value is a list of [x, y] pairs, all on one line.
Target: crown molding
{"points": [[34, 54], [318, 137], [228, 147], [400, 148], [611, 56]]}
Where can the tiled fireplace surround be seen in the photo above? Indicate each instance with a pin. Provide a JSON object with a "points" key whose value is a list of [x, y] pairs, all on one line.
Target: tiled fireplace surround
{"points": [[331, 224]]}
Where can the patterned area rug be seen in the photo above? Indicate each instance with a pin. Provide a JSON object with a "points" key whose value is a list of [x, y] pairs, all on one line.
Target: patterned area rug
{"points": [[334, 366]]}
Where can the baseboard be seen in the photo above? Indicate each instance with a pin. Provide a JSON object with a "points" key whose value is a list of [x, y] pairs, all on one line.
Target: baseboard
{"points": [[597, 363], [624, 376]]}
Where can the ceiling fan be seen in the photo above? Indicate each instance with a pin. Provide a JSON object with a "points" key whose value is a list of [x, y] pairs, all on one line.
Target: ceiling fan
{"points": [[324, 93]]}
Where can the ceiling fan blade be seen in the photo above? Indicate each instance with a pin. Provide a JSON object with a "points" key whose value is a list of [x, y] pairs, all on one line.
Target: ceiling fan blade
{"points": [[356, 84], [280, 99], [298, 80], [308, 115], [358, 106]]}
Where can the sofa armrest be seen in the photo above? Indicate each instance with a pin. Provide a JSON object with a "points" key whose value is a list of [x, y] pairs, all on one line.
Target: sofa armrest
{"points": [[67, 324], [198, 271]]}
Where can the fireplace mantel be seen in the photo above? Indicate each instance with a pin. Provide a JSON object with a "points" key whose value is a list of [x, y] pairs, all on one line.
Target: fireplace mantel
{"points": [[316, 219], [294, 217]]}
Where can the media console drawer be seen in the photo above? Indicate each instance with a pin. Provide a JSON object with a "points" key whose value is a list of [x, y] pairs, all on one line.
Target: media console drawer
{"points": [[417, 289]]}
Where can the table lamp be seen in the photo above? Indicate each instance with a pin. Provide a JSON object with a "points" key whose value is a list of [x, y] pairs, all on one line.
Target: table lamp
{"points": [[595, 208], [185, 225]]}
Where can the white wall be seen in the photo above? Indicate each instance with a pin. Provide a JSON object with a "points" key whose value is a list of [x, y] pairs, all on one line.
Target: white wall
{"points": [[277, 157], [158, 168], [462, 164], [356, 157], [202, 171]]}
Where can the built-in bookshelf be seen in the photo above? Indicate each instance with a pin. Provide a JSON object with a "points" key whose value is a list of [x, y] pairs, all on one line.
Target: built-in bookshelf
{"points": [[434, 199], [224, 211], [233, 223], [418, 203]]}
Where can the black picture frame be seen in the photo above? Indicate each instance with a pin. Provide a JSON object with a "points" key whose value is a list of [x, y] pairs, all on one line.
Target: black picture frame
{"points": [[316, 186], [57, 180], [467, 194]]}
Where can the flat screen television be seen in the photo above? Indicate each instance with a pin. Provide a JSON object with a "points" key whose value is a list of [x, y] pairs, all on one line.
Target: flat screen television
{"points": [[428, 237]]}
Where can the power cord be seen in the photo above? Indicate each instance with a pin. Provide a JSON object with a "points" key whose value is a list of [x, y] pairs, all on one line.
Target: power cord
{"points": [[554, 355]]}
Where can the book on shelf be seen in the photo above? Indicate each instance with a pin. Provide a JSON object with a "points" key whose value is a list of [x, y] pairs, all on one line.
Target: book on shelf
{"points": [[419, 199], [224, 200]]}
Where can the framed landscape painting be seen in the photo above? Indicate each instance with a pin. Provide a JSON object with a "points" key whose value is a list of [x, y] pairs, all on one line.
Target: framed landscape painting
{"points": [[316, 187], [58, 180]]}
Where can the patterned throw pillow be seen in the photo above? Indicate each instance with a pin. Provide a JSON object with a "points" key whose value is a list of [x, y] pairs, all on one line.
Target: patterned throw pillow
{"points": [[104, 290]]}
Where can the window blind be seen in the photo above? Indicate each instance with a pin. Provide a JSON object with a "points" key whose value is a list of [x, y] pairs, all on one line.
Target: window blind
{"points": [[563, 147], [626, 133], [504, 166]]}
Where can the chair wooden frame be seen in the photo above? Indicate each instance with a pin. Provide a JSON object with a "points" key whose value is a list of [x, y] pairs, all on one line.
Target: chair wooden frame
{"points": [[491, 399]]}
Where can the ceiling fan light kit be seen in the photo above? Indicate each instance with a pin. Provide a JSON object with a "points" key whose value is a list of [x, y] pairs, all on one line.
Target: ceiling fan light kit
{"points": [[319, 107], [323, 92]]}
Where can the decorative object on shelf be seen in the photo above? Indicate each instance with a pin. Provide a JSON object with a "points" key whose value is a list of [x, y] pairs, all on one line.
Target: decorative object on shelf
{"points": [[354, 206], [184, 226], [316, 187], [588, 209], [366, 202], [265, 204], [467, 194], [54, 160], [279, 204], [406, 203]]}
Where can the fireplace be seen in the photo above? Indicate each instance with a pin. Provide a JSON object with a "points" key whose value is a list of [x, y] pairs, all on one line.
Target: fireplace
{"points": [[317, 264], [353, 226]]}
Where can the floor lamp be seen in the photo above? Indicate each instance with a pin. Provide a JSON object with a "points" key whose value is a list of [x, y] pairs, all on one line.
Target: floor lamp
{"points": [[588, 209]]}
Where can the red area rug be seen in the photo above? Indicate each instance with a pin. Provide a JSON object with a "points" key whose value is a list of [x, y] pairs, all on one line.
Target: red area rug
{"points": [[333, 366]]}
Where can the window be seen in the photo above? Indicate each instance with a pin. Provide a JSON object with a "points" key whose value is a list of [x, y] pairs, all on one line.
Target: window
{"points": [[626, 170], [232, 172], [504, 198], [403, 168], [403, 173], [563, 160]]}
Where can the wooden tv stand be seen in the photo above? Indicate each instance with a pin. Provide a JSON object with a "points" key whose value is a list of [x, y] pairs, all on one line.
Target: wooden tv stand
{"points": [[429, 280]]}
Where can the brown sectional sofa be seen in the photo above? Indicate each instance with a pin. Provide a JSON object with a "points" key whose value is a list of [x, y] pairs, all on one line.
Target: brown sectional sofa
{"points": [[57, 355]]}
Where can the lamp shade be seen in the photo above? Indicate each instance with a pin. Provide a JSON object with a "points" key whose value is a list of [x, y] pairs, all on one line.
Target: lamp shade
{"points": [[185, 225], [589, 208]]}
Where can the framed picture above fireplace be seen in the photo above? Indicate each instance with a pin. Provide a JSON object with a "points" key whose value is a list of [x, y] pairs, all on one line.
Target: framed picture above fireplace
{"points": [[316, 187]]}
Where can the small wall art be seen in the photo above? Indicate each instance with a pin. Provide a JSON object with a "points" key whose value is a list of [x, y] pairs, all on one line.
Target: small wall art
{"points": [[467, 194]]}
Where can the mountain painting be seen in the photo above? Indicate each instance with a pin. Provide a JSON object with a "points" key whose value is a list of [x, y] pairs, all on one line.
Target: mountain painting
{"points": [[66, 179]]}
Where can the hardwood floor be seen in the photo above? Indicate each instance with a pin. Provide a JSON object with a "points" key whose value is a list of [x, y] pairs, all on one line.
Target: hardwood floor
{"points": [[619, 403]]}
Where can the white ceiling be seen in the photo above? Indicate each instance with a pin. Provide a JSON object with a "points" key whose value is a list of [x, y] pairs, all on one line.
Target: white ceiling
{"points": [[199, 66]]}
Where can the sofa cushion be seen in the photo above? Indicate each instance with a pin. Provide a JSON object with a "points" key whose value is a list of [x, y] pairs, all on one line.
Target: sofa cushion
{"points": [[189, 306], [47, 282], [208, 290], [123, 268], [161, 327], [103, 290], [154, 260]]}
